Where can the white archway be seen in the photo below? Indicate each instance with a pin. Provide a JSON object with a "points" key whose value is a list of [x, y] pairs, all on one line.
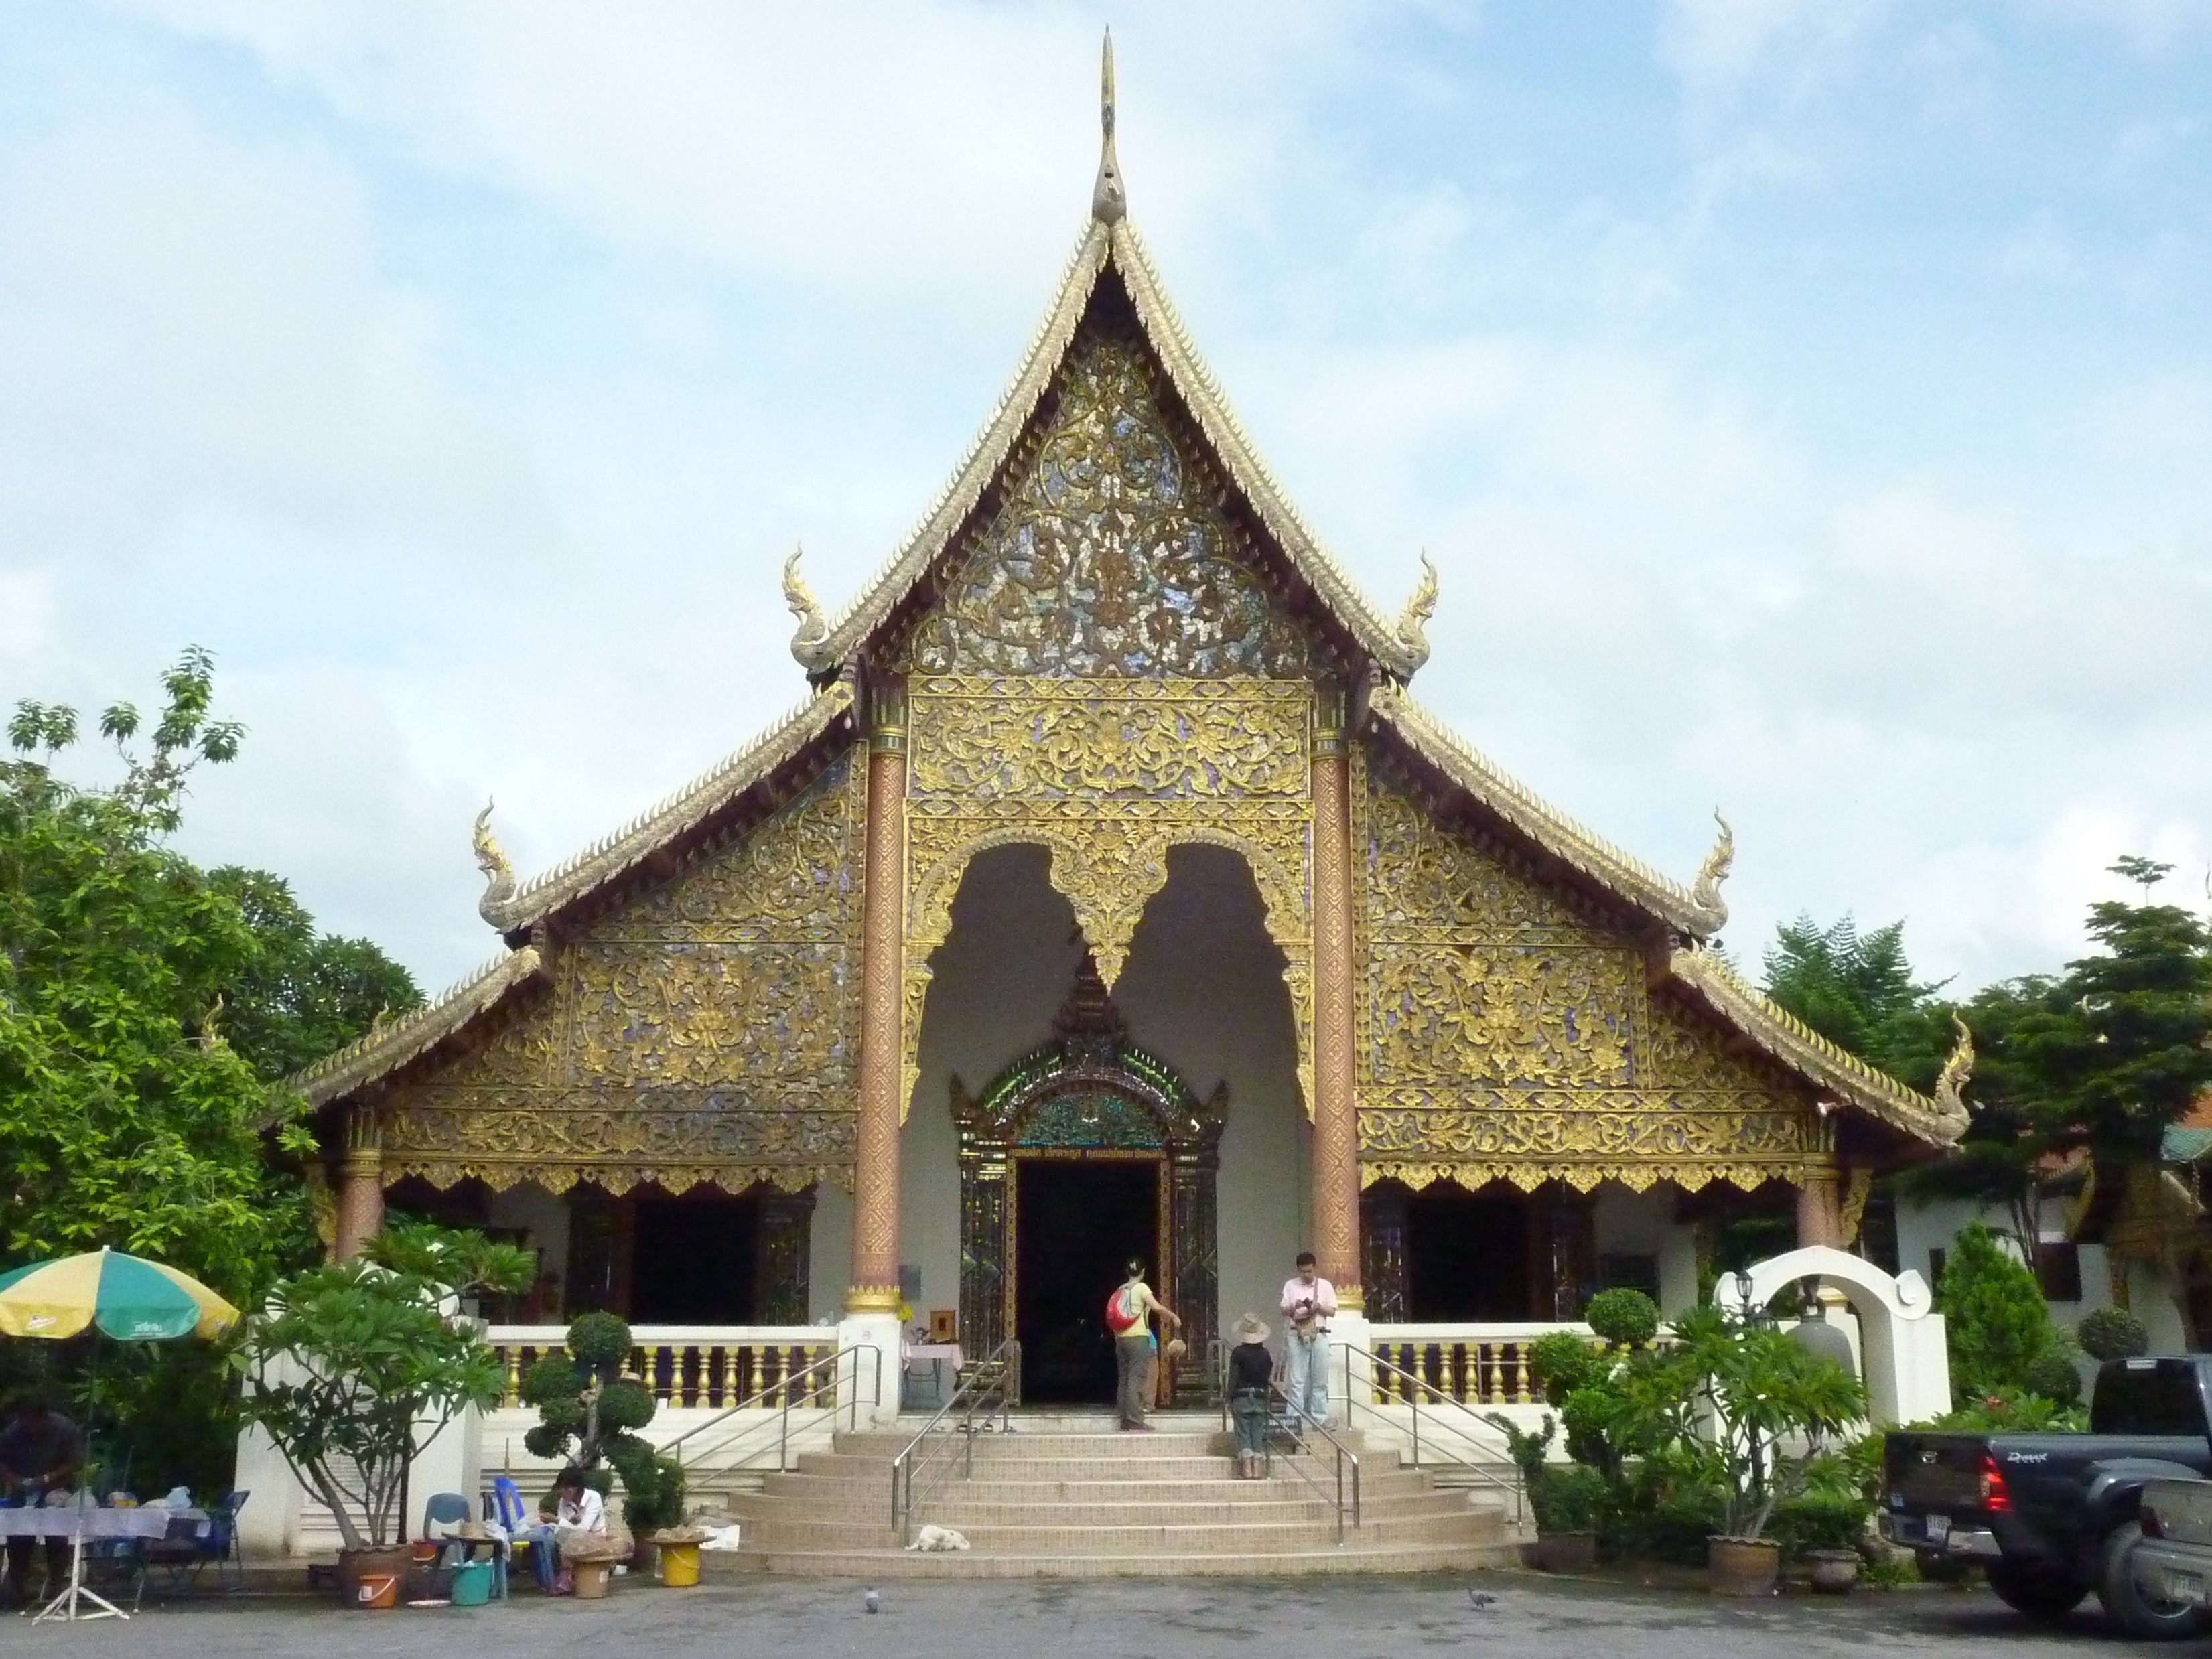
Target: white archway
{"points": [[1908, 1368]]}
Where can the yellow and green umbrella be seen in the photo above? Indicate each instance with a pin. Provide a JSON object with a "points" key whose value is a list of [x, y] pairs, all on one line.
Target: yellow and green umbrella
{"points": [[128, 1298]]}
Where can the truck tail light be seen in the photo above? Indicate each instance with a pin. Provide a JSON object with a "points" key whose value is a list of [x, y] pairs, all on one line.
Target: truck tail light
{"points": [[1994, 1494]]}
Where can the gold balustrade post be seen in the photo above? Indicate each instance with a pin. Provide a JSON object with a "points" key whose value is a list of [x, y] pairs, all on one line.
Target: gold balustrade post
{"points": [[1335, 1108], [875, 1281]]}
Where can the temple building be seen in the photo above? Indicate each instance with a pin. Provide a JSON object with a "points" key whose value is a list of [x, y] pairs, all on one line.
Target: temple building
{"points": [[1107, 894]]}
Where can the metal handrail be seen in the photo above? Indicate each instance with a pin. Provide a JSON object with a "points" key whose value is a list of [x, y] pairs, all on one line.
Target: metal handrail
{"points": [[1419, 1387], [992, 1373], [782, 1420], [1345, 1455]]}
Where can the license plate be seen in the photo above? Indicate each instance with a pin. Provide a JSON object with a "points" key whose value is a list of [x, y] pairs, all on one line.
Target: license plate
{"points": [[2184, 1587], [1937, 1528]]}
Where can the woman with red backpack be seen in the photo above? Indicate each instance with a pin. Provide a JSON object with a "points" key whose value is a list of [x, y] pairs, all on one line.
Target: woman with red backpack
{"points": [[1129, 1313]]}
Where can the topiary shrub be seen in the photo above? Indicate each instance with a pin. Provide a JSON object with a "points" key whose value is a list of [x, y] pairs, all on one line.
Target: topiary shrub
{"points": [[587, 1411], [2112, 1333], [2052, 1376], [1623, 1316], [1560, 1362]]}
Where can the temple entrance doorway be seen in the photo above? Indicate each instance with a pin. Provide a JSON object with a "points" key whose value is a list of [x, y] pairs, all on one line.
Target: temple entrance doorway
{"points": [[1078, 1221], [692, 1260]]}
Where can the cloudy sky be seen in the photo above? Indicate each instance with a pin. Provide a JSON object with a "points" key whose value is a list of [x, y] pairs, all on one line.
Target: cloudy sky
{"points": [[1807, 402]]}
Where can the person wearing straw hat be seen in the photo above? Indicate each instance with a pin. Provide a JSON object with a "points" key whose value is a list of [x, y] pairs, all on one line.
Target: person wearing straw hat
{"points": [[1251, 1370]]}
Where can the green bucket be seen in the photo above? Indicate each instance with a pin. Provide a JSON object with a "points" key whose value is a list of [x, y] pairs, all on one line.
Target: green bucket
{"points": [[473, 1584]]}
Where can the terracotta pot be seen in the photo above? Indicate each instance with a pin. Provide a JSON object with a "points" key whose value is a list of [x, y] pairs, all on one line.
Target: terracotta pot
{"points": [[1740, 1567], [1563, 1552], [1834, 1571], [372, 1579]]}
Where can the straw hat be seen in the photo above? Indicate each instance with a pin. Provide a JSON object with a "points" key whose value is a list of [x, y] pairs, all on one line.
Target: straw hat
{"points": [[1250, 1329]]}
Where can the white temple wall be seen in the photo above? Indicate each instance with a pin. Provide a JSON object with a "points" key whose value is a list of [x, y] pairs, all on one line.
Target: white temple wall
{"points": [[999, 978], [1204, 991]]}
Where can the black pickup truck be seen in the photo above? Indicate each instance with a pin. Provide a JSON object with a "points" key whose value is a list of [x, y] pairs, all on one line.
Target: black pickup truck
{"points": [[2052, 1516]]}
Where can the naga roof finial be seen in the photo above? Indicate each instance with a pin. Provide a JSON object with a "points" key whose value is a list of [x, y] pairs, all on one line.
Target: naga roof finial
{"points": [[807, 643], [499, 874], [1109, 203], [1705, 892], [1419, 609], [1958, 1071]]}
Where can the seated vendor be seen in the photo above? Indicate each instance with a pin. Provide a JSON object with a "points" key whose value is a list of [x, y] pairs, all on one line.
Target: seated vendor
{"points": [[40, 1452], [577, 1515]]}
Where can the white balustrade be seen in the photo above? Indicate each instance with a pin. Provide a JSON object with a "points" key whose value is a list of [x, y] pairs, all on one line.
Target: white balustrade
{"points": [[710, 1367]]}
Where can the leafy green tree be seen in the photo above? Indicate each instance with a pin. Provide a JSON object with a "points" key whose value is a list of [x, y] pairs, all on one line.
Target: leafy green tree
{"points": [[125, 1117], [360, 1364], [2099, 1060], [1857, 990], [147, 1010], [305, 994]]}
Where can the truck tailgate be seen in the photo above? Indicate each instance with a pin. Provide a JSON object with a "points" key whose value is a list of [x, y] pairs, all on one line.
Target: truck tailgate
{"points": [[1937, 1473]]}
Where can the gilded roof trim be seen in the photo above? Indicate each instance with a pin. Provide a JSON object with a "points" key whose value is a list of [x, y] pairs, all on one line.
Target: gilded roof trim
{"points": [[654, 829], [1788, 1039], [1102, 245], [1544, 824], [387, 1048]]}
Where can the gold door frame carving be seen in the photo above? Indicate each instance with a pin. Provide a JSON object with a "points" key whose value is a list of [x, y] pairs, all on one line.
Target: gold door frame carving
{"points": [[1091, 1094]]}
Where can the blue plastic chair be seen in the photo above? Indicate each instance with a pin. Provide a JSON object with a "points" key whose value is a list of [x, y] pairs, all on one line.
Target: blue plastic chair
{"points": [[183, 1560], [512, 1514]]}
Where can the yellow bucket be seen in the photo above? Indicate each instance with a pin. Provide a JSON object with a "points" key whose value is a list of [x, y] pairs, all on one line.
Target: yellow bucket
{"points": [[679, 1566]]}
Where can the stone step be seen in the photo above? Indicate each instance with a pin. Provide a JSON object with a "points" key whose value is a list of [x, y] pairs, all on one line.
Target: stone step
{"points": [[877, 1490], [789, 1533], [1158, 1442], [869, 1566], [1096, 1470], [958, 1506]]}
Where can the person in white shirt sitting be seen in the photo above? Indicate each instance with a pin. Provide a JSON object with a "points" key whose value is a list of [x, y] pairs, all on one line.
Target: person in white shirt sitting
{"points": [[579, 1517]]}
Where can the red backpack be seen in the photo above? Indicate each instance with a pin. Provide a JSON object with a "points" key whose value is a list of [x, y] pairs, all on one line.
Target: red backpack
{"points": [[1124, 1313]]}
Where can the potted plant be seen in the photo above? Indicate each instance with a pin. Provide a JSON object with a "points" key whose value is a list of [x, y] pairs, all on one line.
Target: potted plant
{"points": [[1563, 1503], [1763, 1410], [356, 1366], [588, 1414]]}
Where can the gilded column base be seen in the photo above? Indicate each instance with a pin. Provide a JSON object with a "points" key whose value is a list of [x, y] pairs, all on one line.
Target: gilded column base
{"points": [[873, 1298]]}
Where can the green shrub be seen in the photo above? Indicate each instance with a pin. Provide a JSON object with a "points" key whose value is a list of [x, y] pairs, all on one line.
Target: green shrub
{"points": [[1530, 1452], [549, 1378], [1624, 1318], [2052, 1376], [1560, 1362], [1995, 1320], [2112, 1333], [1818, 1521], [1660, 1520], [625, 1404], [1570, 1497], [599, 1342]]}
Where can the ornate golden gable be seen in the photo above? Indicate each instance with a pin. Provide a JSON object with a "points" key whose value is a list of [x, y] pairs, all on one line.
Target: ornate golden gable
{"points": [[702, 1029]]}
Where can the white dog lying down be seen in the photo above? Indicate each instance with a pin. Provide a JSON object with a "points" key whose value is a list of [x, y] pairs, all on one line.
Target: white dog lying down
{"points": [[938, 1539]]}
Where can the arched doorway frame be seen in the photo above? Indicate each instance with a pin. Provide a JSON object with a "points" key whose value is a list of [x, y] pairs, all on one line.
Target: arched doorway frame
{"points": [[1140, 1108]]}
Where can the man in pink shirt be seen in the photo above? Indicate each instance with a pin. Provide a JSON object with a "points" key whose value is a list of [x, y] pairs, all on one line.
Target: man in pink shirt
{"points": [[1308, 1303]]}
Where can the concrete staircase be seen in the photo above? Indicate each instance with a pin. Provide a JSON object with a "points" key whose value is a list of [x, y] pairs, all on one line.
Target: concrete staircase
{"points": [[1066, 1496]]}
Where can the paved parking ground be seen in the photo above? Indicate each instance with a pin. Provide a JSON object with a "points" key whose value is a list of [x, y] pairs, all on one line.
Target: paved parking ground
{"points": [[1310, 1619]]}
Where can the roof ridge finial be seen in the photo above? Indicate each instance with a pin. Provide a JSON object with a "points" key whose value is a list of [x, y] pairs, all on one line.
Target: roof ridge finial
{"points": [[1109, 204]]}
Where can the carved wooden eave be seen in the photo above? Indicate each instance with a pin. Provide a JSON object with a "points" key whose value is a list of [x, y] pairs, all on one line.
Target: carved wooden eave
{"points": [[1580, 849], [1836, 1071], [389, 1046], [1114, 247], [687, 810]]}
